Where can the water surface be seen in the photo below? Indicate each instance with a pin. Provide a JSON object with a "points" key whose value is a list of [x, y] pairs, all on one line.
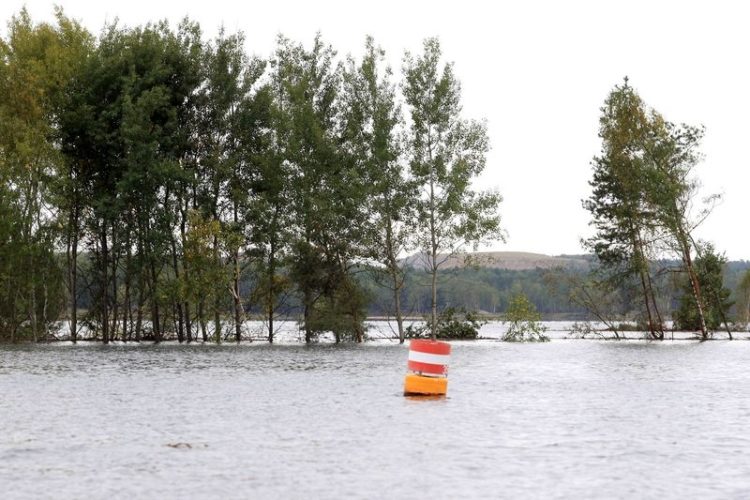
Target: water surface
{"points": [[564, 419]]}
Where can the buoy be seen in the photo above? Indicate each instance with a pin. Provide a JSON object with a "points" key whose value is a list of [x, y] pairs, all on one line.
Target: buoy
{"points": [[428, 368]]}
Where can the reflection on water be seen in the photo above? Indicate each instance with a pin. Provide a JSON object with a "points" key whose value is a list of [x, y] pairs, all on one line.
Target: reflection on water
{"points": [[565, 419]]}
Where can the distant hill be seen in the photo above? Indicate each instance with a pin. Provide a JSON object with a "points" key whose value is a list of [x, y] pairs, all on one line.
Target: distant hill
{"points": [[514, 261]]}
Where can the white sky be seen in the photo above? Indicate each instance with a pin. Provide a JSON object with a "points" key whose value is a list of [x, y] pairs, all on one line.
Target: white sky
{"points": [[538, 71]]}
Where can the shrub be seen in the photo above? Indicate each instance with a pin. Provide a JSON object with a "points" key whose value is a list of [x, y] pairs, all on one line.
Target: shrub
{"points": [[525, 322], [453, 324]]}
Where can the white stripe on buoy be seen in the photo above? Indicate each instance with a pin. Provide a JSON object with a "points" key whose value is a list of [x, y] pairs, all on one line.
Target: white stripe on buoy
{"points": [[425, 357]]}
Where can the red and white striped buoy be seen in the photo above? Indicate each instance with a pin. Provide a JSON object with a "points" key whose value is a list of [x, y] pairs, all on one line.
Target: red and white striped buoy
{"points": [[428, 368]]}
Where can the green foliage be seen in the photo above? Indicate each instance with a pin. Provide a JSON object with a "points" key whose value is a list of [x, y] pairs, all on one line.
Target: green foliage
{"points": [[36, 63], [709, 268], [743, 298], [204, 284], [342, 312], [524, 322], [329, 192], [177, 164], [453, 324], [458, 324]]}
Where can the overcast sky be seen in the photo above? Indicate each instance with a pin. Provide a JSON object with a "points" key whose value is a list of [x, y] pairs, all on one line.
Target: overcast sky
{"points": [[538, 71]]}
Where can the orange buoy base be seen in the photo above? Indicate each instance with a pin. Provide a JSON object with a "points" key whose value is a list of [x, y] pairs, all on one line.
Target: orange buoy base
{"points": [[417, 385]]}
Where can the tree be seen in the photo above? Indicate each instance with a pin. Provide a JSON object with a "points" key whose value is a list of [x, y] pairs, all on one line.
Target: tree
{"points": [[341, 311], [372, 119], [328, 191], [446, 153], [235, 121], [207, 280], [671, 191], [271, 228], [524, 321], [37, 63], [624, 223], [123, 129], [709, 270]]}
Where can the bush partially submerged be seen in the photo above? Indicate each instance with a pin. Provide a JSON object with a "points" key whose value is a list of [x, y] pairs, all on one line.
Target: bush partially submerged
{"points": [[453, 324], [525, 322]]}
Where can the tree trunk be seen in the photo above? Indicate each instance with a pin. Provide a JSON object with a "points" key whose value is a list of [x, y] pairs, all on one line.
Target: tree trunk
{"points": [[104, 285], [641, 262], [236, 287], [308, 314], [217, 322], [217, 301], [399, 315], [271, 286], [127, 305], [126, 313], [433, 244], [115, 260], [141, 284], [694, 284], [660, 322], [179, 312], [433, 316], [32, 301], [155, 321], [433, 261], [139, 313], [188, 322], [185, 274], [396, 279], [73, 272], [202, 320]]}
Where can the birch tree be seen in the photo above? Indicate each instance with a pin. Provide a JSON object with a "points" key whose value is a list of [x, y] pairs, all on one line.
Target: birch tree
{"points": [[372, 122], [446, 153]]}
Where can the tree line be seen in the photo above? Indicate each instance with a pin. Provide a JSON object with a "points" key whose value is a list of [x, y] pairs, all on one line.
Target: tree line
{"points": [[159, 184], [181, 182]]}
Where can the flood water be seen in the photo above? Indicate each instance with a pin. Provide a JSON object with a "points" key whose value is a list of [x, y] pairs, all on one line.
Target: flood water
{"points": [[564, 419]]}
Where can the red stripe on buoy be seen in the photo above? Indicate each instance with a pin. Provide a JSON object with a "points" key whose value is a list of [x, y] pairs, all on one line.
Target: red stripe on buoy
{"points": [[429, 357], [430, 346], [416, 366]]}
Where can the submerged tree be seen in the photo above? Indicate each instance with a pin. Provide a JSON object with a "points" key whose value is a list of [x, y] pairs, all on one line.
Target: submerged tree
{"points": [[268, 212], [625, 224], [524, 322], [372, 119], [328, 192], [235, 121], [37, 63], [643, 194], [671, 192], [446, 153]]}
